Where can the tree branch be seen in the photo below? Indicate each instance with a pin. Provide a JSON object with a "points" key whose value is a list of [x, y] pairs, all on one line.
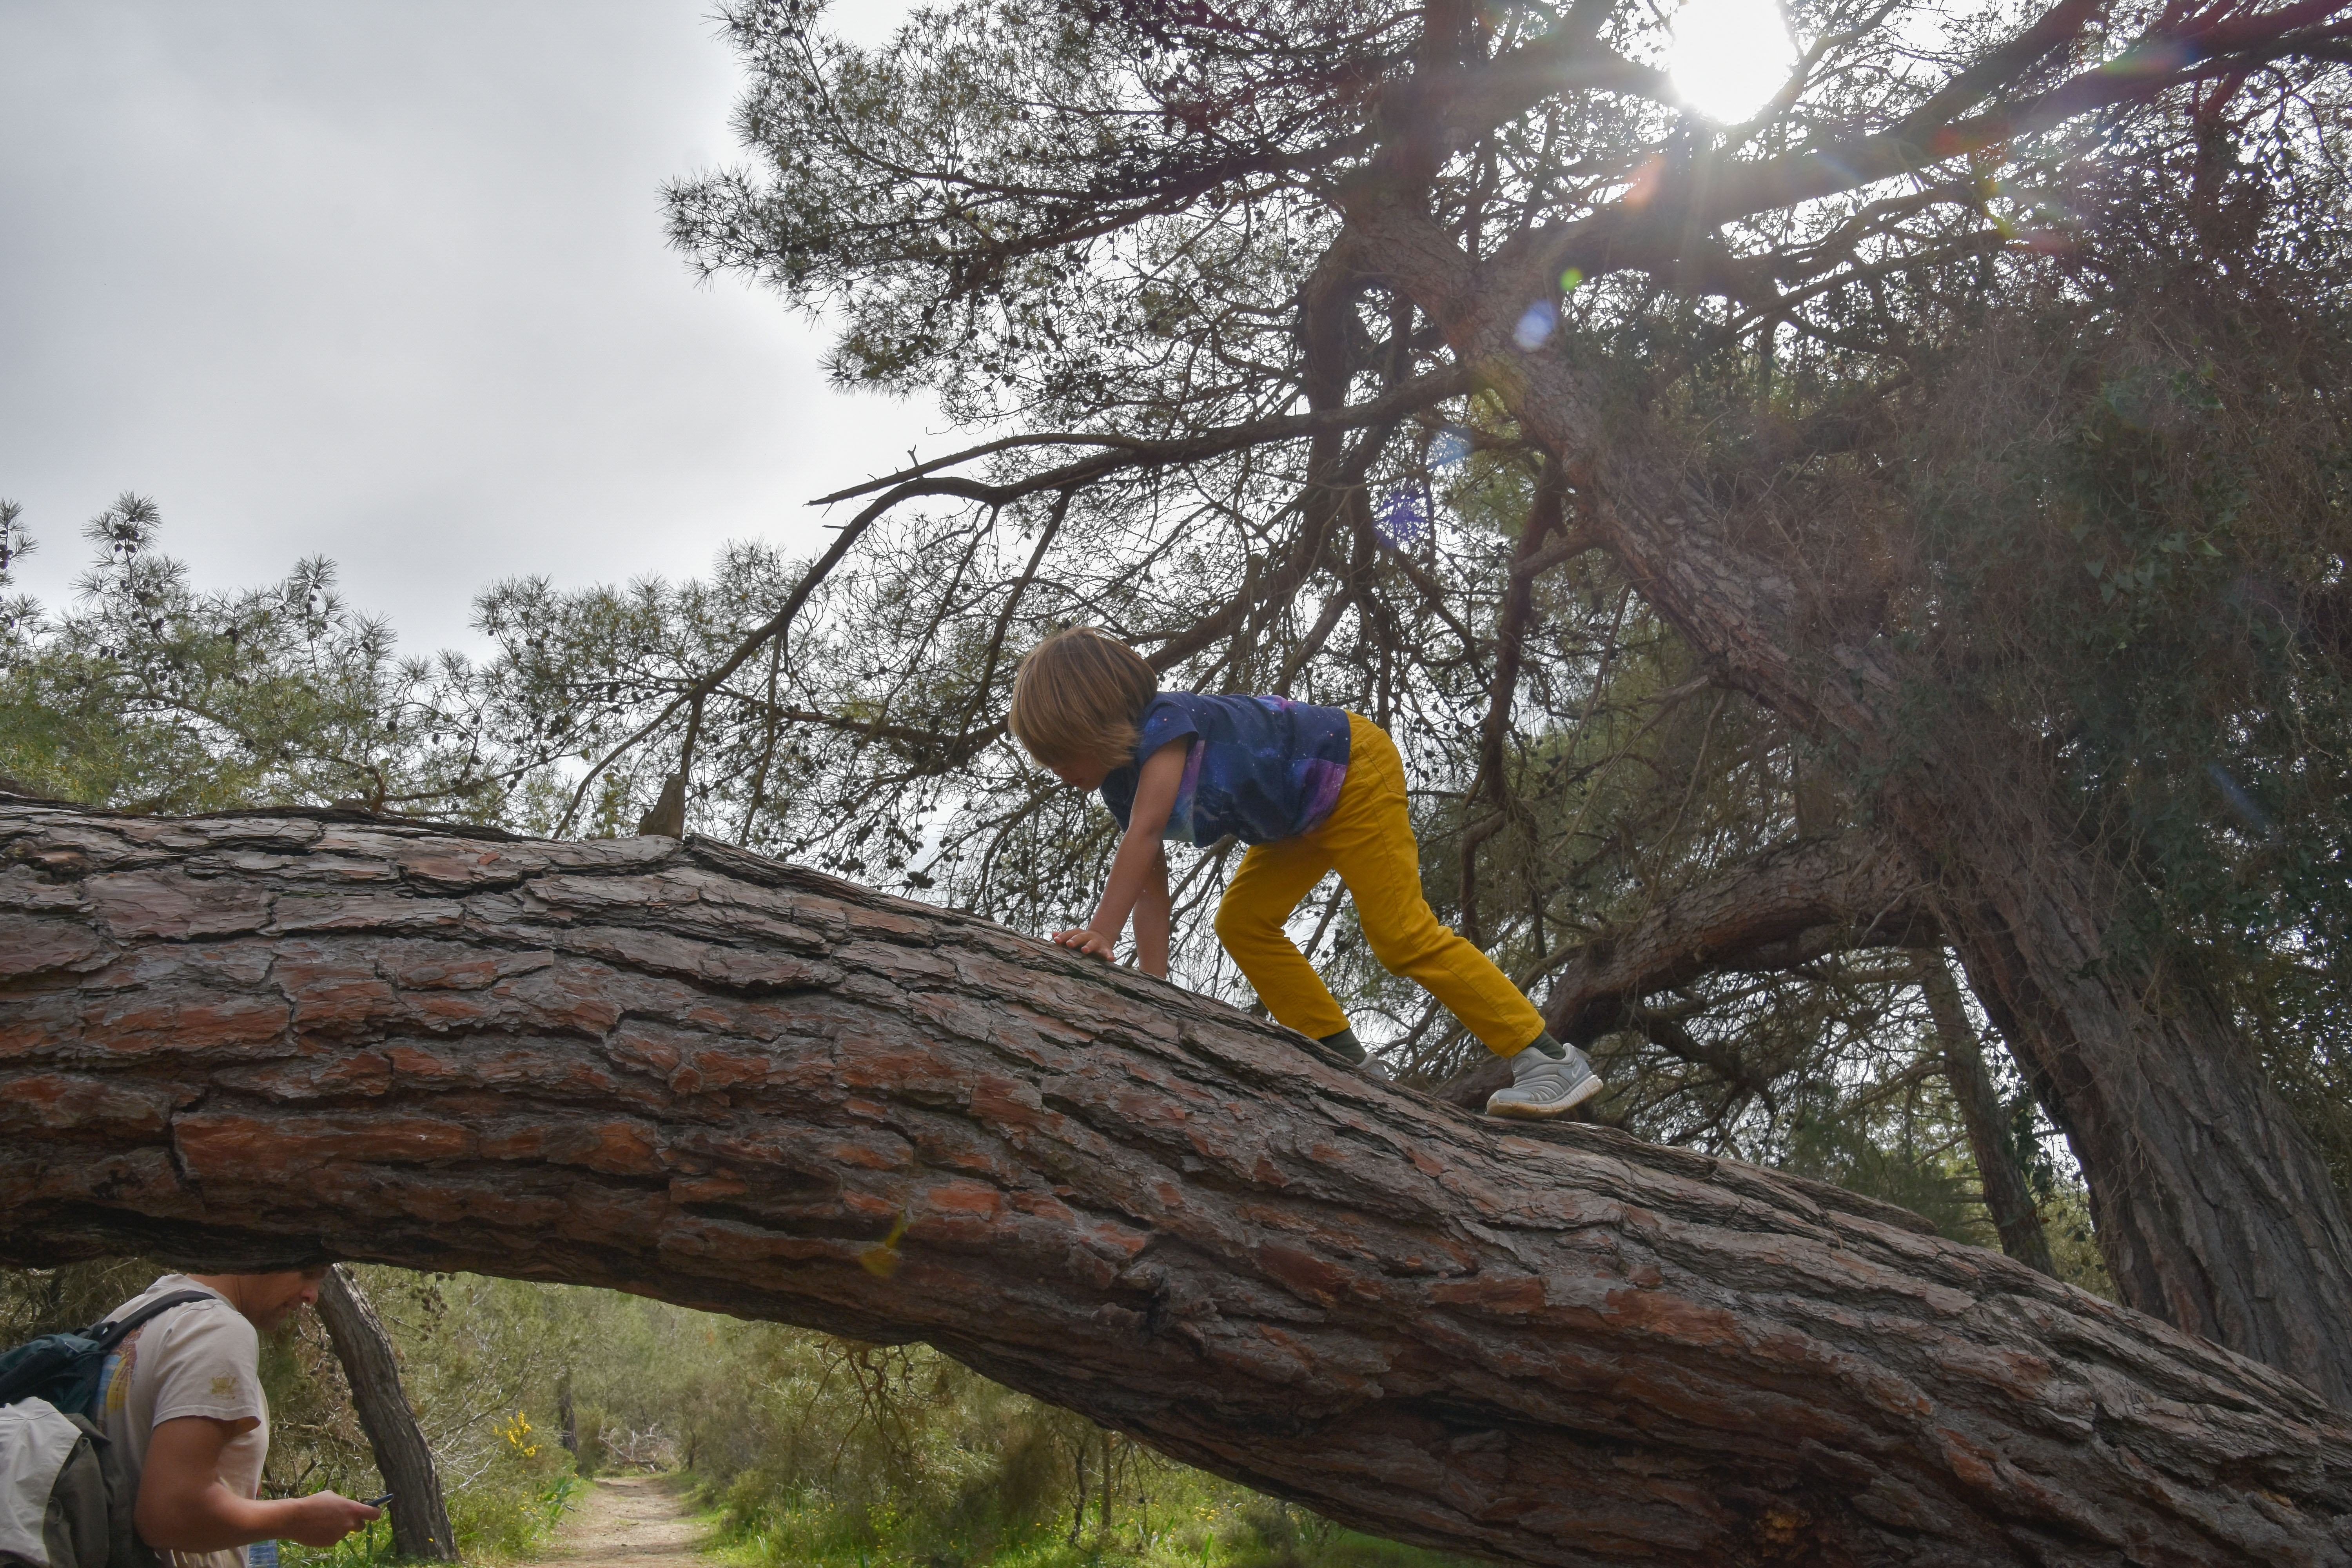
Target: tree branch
{"points": [[1779, 912]]}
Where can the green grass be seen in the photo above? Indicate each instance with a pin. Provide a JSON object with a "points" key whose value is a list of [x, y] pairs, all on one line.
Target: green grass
{"points": [[489, 1524], [1191, 1521], [1195, 1521]]}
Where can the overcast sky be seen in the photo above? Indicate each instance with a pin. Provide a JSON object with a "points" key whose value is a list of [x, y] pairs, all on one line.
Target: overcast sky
{"points": [[386, 282]]}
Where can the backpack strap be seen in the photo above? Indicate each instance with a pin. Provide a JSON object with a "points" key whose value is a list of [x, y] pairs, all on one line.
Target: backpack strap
{"points": [[105, 1336], [64, 1368]]}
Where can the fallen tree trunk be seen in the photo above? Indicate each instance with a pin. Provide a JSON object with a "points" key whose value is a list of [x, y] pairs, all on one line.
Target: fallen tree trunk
{"points": [[698, 1075]]}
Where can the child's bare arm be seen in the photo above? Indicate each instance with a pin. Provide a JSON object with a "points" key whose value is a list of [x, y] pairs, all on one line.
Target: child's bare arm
{"points": [[1139, 853], [1153, 920]]}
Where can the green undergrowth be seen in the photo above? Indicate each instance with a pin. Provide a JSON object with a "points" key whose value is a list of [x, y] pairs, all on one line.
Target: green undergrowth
{"points": [[1182, 1519], [492, 1524]]}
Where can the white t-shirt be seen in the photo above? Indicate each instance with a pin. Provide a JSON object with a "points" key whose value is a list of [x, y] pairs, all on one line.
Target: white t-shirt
{"points": [[201, 1359]]}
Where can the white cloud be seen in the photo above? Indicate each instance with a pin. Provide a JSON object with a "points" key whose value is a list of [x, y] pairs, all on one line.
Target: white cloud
{"points": [[387, 284]]}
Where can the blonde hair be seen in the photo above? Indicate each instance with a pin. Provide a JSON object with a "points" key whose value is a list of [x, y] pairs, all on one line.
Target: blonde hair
{"points": [[1078, 694]]}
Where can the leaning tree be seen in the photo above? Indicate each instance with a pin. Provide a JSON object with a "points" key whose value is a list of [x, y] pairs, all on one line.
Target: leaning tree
{"points": [[1909, 517], [1246, 284]]}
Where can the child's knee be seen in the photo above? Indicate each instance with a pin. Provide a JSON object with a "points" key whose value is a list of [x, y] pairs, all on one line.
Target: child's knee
{"points": [[1237, 922], [1401, 952]]}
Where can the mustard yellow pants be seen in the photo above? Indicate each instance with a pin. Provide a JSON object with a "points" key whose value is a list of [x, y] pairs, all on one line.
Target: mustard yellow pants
{"points": [[1368, 840]]}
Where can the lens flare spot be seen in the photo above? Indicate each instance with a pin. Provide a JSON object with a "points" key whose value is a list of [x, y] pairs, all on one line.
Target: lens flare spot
{"points": [[1450, 447], [1534, 326], [2240, 802], [1403, 517], [2150, 56]]}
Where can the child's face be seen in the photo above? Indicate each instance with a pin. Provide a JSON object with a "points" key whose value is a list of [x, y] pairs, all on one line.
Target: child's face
{"points": [[1079, 772]]}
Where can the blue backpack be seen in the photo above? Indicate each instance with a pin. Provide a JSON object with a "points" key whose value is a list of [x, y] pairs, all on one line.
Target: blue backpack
{"points": [[71, 1504]]}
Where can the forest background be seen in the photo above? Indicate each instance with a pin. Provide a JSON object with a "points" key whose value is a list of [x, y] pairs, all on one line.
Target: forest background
{"points": [[804, 1449], [2058, 438]]}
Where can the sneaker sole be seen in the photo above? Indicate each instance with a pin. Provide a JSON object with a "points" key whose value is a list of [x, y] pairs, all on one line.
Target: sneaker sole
{"points": [[1512, 1112]]}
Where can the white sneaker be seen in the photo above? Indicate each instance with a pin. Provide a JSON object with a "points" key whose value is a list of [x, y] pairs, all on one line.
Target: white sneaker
{"points": [[1544, 1086]]}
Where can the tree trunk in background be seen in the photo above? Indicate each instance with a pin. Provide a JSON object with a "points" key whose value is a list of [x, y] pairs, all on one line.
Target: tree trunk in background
{"points": [[2212, 1206], [2007, 1197], [420, 1520], [738, 1086]]}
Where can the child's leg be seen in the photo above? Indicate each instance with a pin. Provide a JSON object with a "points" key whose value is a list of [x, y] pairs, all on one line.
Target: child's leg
{"points": [[1266, 887], [1370, 838]]}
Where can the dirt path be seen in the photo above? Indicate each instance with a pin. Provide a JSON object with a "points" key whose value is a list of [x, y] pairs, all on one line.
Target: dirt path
{"points": [[627, 1522]]}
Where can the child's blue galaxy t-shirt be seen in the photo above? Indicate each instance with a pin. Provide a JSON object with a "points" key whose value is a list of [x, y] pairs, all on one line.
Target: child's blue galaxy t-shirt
{"points": [[1260, 768]]}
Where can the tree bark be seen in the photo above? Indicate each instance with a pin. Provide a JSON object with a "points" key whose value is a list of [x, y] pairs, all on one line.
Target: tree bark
{"points": [[2213, 1207], [420, 1520], [2015, 1215], [696, 1074]]}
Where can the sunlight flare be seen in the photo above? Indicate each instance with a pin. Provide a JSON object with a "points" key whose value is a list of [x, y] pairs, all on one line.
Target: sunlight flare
{"points": [[1729, 57]]}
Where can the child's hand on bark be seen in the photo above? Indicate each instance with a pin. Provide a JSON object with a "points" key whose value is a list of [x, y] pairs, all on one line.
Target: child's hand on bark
{"points": [[1087, 939]]}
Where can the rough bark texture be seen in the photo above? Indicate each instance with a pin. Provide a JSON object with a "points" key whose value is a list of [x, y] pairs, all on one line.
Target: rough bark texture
{"points": [[696, 1074], [420, 1520], [2213, 1207], [2007, 1198]]}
